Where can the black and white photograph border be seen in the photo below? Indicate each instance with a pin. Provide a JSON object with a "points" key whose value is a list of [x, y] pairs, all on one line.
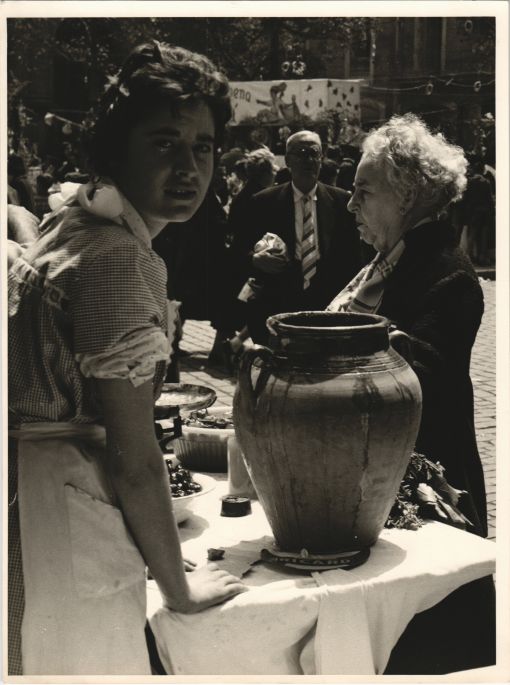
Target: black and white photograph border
{"points": [[53, 111]]}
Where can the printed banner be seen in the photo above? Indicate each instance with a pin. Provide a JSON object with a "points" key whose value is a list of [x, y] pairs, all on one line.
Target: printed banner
{"points": [[284, 102]]}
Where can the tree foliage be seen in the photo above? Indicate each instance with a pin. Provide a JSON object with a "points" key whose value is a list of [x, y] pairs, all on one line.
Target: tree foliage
{"points": [[245, 48]]}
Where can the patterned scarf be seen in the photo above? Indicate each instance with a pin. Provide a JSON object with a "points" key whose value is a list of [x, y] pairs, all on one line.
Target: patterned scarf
{"points": [[365, 292]]}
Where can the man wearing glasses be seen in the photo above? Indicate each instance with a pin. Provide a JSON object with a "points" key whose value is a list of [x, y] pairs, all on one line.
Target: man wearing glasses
{"points": [[322, 244]]}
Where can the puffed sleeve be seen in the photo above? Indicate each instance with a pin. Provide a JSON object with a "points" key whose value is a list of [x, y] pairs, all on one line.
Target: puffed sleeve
{"points": [[119, 314]]}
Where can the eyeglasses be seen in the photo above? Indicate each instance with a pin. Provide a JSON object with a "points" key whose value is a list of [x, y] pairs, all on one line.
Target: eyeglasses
{"points": [[307, 153]]}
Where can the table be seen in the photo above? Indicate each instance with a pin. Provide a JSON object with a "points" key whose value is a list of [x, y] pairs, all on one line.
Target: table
{"points": [[294, 623]]}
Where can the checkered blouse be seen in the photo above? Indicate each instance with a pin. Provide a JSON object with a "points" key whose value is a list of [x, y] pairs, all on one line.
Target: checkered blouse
{"points": [[85, 286]]}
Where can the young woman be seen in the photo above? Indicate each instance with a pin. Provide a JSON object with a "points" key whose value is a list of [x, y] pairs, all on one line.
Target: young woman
{"points": [[89, 331]]}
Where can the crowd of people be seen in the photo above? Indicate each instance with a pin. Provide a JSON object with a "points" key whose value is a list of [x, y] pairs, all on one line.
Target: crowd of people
{"points": [[206, 256], [209, 257], [98, 292]]}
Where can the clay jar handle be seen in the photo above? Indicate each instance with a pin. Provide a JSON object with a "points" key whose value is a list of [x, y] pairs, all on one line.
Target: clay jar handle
{"points": [[249, 392], [401, 343]]}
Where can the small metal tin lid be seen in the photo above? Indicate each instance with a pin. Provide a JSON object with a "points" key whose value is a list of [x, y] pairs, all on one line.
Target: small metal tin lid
{"points": [[232, 505]]}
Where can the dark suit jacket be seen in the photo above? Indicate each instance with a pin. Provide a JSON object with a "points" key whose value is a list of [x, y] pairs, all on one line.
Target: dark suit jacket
{"points": [[196, 257], [434, 296], [236, 229], [272, 210]]}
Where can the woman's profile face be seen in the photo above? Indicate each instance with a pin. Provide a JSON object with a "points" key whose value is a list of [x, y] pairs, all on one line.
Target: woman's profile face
{"points": [[376, 206], [168, 163]]}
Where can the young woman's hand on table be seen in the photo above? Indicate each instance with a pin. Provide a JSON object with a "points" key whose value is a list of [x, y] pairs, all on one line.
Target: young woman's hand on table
{"points": [[139, 478], [208, 585]]}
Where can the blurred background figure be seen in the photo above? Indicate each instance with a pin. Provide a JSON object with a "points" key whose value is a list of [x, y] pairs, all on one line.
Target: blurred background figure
{"points": [[219, 185], [283, 134], [69, 165], [329, 172], [346, 174], [43, 183], [259, 169], [12, 196], [195, 255], [22, 229], [236, 180], [283, 175], [477, 213], [240, 171], [17, 179]]}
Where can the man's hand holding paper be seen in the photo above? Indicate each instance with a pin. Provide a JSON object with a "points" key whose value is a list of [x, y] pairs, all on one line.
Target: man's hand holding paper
{"points": [[270, 254]]}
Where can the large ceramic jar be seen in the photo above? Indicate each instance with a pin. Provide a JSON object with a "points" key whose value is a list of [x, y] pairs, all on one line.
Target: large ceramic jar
{"points": [[327, 418]]}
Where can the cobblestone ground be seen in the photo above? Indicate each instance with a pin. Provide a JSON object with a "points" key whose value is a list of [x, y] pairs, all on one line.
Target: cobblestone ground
{"points": [[483, 375], [199, 336]]}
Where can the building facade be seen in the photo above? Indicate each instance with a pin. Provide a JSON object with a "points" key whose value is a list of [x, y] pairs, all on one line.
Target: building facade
{"points": [[442, 68]]}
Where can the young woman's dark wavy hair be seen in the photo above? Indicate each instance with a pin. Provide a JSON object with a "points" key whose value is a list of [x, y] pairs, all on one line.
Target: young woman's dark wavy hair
{"points": [[153, 74]]}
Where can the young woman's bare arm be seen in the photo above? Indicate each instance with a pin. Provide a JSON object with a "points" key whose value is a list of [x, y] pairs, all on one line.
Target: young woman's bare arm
{"points": [[138, 474]]}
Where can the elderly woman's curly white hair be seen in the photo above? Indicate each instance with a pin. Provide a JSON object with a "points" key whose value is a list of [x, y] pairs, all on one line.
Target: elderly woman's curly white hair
{"points": [[415, 158]]}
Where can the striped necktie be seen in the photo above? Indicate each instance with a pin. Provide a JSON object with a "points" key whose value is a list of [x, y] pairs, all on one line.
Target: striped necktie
{"points": [[309, 254]]}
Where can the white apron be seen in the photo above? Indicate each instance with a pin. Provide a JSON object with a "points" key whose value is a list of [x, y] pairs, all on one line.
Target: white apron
{"points": [[85, 604]]}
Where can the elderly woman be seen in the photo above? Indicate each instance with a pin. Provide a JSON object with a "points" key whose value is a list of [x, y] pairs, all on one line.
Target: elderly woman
{"points": [[427, 287], [89, 338]]}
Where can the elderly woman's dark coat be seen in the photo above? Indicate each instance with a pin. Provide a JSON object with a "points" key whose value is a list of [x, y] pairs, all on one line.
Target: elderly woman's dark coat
{"points": [[434, 296]]}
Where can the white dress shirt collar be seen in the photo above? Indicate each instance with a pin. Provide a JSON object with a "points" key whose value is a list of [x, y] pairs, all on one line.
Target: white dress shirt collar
{"points": [[298, 194]]}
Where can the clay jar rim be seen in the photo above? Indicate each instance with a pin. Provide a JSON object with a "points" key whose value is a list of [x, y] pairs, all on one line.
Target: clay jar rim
{"points": [[294, 334], [373, 323]]}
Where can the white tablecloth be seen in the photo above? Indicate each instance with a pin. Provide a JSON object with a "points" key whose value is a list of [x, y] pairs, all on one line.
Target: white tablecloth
{"points": [[333, 622]]}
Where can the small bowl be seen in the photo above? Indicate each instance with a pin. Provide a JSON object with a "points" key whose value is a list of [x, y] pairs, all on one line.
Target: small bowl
{"points": [[204, 449], [185, 506]]}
